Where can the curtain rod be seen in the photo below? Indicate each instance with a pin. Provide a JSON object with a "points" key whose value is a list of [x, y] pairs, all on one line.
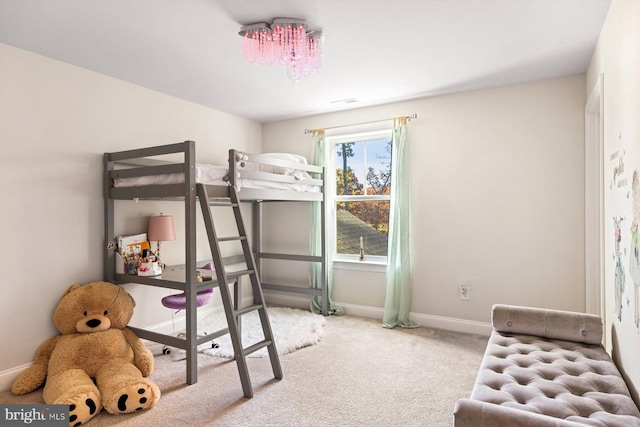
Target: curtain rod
{"points": [[409, 118]]}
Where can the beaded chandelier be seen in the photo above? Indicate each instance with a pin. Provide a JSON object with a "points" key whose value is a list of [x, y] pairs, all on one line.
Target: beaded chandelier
{"points": [[285, 41]]}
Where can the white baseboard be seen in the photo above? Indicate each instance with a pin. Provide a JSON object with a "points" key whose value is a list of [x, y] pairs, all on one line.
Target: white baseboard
{"points": [[8, 376], [452, 324], [427, 320]]}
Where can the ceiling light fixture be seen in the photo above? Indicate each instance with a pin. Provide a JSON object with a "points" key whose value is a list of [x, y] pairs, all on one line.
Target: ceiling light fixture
{"points": [[285, 41]]}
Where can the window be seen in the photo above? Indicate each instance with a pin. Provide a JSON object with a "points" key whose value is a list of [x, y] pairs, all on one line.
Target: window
{"points": [[361, 169]]}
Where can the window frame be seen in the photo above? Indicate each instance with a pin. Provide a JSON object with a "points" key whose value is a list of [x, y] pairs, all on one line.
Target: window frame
{"points": [[351, 261]]}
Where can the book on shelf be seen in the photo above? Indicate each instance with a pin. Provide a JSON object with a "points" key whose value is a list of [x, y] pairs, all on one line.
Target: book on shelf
{"points": [[132, 244], [129, 252]]}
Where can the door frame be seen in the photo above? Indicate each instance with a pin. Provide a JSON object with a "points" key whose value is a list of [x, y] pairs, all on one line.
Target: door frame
{"points": [[594, 200]]}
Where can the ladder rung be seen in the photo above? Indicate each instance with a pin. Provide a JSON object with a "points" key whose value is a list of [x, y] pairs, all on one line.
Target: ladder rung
{"points": [[230, 239], [235, 274], [226, 203], [248, 309], [257, 346]]}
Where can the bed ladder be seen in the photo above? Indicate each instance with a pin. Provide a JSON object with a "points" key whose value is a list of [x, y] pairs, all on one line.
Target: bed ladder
{"points": [[234, 312]]}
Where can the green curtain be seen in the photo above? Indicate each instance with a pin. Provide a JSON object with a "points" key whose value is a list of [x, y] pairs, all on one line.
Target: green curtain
{"points": [[320, 158], [398, 296]]}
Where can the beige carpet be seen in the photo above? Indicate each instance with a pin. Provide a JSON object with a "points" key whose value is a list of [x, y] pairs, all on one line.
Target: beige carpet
{"points": [[360, 374]]}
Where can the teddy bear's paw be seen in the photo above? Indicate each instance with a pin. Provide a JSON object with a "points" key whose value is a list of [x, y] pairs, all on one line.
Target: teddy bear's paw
{"points": [[133, 398], [83, 408]]}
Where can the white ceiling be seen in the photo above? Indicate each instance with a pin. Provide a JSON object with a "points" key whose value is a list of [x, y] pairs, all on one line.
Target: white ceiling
{"points": [[376, 51]]}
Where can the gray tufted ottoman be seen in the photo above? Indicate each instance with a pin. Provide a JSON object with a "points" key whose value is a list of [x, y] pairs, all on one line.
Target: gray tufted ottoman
{"points": [[546, 368]]}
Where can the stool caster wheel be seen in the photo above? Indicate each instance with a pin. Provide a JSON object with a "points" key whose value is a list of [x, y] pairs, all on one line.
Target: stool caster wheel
{"points": [[166, 350]]}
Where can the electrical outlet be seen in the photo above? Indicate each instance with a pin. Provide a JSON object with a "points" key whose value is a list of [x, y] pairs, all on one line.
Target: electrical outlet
{"points": [[464, 292]]}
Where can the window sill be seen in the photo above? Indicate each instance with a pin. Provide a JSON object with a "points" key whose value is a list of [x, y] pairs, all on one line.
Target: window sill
{"points": [[372, 265]]}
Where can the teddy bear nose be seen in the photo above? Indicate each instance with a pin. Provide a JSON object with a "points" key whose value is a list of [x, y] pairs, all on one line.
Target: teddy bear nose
{"points": [[93, 323]]}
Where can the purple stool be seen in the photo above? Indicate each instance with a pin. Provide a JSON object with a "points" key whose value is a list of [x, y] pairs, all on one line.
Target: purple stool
{"points": [[179, 302]]}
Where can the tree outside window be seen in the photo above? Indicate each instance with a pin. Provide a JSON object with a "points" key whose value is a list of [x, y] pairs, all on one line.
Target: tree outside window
{"points": [[363, 187]]}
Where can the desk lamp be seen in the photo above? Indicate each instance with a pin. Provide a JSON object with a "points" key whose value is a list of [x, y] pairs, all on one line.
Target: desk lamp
{"points": [[161, 229]]}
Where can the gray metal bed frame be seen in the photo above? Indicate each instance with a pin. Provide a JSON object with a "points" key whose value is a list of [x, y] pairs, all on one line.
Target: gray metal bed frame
{"points": [[141, 162], [260, 196]]}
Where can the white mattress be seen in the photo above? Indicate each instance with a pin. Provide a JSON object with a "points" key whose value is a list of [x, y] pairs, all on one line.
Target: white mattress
{"points": [[211, 175], [205, 174]]}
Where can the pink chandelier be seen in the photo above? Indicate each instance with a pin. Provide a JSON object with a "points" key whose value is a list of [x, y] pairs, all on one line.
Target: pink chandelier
{"points": [[286, 41]]}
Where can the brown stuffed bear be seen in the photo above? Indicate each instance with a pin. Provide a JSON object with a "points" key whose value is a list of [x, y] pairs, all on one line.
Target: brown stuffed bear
{"points": [[96, 361]]}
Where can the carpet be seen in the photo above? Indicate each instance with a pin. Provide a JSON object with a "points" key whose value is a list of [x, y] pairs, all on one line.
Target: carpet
{"points": [[292, 329], [360, 374]]}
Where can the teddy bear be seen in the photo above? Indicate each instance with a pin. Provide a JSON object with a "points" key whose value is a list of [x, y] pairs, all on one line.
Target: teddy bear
{"points": [[96, 362]]}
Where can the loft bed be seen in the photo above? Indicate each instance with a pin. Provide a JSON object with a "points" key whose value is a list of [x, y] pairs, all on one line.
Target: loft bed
{"points": [[259, 179], [140, 175]]}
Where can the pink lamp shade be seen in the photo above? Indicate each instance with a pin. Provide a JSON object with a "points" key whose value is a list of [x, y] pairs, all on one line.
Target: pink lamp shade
{"points": [[161, 228]]}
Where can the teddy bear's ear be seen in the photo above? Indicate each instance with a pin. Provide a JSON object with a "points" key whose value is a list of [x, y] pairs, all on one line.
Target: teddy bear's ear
{"points": [[69, 290]]}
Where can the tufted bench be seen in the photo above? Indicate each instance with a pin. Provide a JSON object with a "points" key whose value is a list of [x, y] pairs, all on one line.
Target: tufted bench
{"points": [[546, 368]]}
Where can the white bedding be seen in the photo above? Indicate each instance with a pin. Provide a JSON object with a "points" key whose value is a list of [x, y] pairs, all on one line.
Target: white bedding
{"points": [[205, 174], [215, 175]]}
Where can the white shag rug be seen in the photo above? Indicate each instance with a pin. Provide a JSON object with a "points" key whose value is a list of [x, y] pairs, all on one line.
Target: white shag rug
{"points": [[292, 329]]}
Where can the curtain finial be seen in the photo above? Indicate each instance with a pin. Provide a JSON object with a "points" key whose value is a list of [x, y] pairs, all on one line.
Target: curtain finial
{"points": [[402, 120]]}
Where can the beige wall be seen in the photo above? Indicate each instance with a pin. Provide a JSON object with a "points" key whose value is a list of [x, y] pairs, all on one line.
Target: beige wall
{"points": [[56, 121], [497, 192], [617, 59], [497, 200]]}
